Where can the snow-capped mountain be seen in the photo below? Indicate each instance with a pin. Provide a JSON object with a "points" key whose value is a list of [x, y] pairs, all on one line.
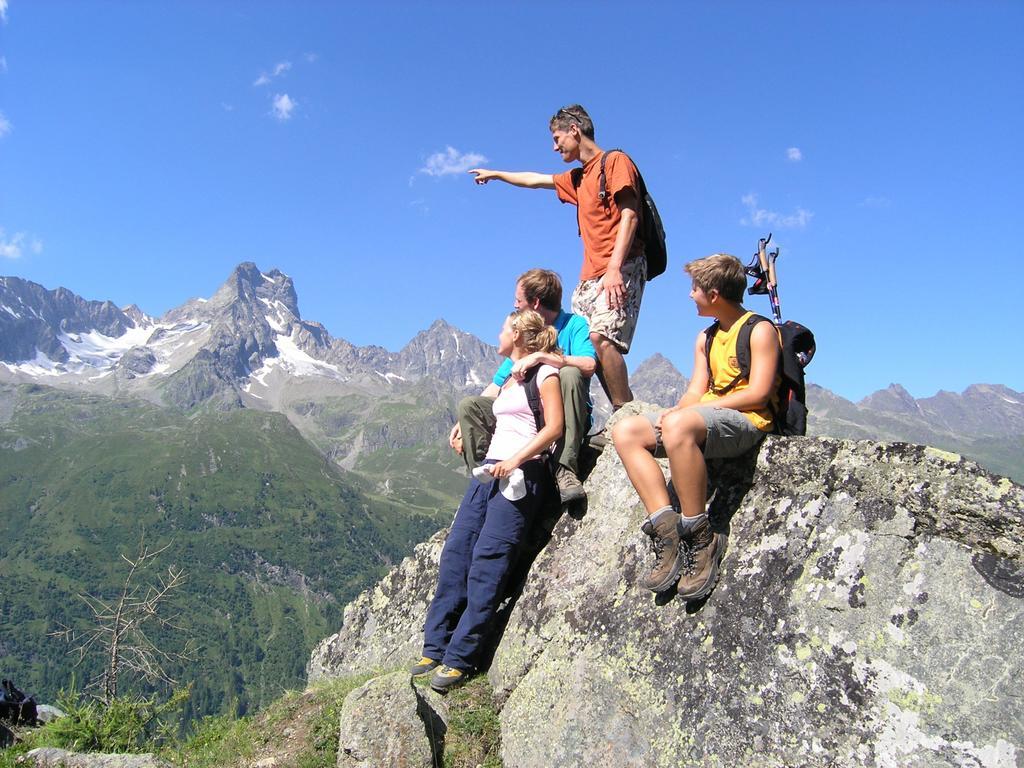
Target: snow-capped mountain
{"points": [[240, 346], [248, 346]]}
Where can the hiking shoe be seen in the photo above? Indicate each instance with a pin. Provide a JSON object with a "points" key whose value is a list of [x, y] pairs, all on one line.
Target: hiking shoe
{"points": [[704, 552], [597, 441], [423, 666], [668, 554], [447, 678], [569, 486]]}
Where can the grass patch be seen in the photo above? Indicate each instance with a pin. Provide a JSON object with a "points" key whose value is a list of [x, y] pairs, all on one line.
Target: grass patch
{"points": [[298, 729], [311, 717], [473, 739]]}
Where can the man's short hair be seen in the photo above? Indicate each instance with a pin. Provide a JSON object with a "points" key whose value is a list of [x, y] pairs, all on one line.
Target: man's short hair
{"points": [[720, 272], [574, 114], [542, 284]]}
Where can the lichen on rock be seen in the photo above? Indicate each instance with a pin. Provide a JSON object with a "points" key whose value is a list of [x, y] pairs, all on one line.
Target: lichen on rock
{"points": [[868, 614]]}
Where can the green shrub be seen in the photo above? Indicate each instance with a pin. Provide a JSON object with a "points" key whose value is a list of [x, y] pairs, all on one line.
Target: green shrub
{"points": [[129, 723]]}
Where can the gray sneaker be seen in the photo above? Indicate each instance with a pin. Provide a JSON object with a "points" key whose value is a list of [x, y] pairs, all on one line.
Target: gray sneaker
{"points": [[447, 678], [570, 488], [424, 665]]}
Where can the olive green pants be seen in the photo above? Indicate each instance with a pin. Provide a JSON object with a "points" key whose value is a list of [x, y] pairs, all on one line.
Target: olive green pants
{"points": [[476, 420]]}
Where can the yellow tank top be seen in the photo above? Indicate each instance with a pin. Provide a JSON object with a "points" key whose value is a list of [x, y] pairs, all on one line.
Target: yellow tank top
{"points": [[725, 367]]}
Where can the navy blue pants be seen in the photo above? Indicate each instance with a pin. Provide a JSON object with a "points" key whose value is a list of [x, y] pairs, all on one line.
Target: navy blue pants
{"points": [[475, 564]]}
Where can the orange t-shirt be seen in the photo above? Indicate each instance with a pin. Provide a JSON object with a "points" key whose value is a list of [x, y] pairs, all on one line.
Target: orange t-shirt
{"points": [[599, 222]]}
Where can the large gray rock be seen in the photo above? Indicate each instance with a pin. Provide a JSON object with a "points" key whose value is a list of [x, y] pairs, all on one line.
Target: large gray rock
{"points": [[51, 757], [389, 722], [868, 614]]}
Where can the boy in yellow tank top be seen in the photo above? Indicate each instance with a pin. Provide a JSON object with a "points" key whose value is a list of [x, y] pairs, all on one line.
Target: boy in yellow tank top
{"points": [[707, 422]]}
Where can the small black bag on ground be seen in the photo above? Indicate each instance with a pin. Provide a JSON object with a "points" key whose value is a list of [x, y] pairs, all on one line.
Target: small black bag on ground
{"points": [[15, 707]]}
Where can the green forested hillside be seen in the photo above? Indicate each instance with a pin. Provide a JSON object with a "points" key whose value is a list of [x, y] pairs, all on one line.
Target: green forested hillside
{"points": [[274, 539]]}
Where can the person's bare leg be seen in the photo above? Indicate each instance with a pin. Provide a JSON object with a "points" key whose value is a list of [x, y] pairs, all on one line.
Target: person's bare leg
{"points": [[612, 371], [634, 440], [683, 434]]}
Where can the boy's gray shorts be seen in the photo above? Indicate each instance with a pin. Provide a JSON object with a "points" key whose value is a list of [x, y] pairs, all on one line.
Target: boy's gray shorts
{"points": [[730, 433]]}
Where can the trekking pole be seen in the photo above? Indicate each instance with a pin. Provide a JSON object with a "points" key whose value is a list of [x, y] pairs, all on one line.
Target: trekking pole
{"points": [[773, 286], [768, 270], [762, 256]]}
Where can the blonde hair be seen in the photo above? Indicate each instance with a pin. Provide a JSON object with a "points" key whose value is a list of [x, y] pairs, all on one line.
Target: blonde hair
{"points": [[719, 272], [535, 334]]}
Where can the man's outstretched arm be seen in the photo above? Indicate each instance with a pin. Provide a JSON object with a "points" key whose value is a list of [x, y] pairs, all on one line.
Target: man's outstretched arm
{"points": [[527, 179]]}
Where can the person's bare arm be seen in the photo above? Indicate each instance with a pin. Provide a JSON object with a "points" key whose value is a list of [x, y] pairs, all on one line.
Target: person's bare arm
{"points": [[586, 364], [527, 179]]}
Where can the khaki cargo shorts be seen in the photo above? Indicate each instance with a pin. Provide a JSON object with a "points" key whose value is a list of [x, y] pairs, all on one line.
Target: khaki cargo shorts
{"points": [[616, 325], [730, 433]]}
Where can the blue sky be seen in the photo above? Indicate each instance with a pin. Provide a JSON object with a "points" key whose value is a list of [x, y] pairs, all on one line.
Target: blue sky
{"points": [[146, 148]]}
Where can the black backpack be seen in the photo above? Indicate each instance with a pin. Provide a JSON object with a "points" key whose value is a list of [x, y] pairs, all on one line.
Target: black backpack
{"points": [[650, 228], [797, 348], [15, 707]]}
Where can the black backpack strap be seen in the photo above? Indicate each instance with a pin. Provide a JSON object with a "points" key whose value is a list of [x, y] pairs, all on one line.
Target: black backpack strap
{"points": [[602, 182], [576, 176], [533, 396]]}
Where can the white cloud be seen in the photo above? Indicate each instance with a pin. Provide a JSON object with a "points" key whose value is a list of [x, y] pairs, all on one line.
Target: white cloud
{"points": [[283, 106], [13, 247], [451, 161], [3, 65], [311, 57], [5, 124], [227, 107], [793, 154], [3, 11], [279, 69], [761, 217]]}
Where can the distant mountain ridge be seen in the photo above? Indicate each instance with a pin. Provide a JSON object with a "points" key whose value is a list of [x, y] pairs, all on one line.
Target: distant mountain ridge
{"points": [[230, 349], [248, 346]]}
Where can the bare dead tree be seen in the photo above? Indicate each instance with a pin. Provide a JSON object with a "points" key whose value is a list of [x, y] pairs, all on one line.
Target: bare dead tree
{"points": [[119, 633]]}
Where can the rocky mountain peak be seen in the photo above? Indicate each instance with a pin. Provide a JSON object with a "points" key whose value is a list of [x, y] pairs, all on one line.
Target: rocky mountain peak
{"points": [[34, 320], [894, 399], [446, 353], [657, 380], [250, 286]]}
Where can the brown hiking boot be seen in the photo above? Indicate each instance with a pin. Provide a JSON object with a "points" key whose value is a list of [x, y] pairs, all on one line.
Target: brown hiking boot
{"points": [[668, 555], [570, 488], [704, 552]]}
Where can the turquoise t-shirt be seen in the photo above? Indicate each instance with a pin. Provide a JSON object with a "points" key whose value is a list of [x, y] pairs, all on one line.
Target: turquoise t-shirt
{"points": [[573, 338]]}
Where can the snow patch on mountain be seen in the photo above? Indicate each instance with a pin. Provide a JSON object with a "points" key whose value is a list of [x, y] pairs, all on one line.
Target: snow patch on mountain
{"points": [[94, 350], [292, 360], [40, 365]]}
